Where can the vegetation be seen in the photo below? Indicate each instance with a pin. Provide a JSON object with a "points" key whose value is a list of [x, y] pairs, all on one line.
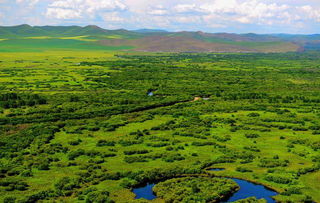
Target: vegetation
{"points": [[195, 189], [81, 125]]}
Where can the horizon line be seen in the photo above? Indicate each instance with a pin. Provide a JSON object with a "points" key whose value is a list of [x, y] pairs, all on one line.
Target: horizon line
{"points": [[160, 29]]}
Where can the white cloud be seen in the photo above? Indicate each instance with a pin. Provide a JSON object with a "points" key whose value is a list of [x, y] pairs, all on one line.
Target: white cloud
{"points": [[28, 2], [249, 11], [188, 8], [243, 19], [206, 15], [113, 18], [185, 19], [311, 13], [158, 10], [83, 8], [62, 13]]}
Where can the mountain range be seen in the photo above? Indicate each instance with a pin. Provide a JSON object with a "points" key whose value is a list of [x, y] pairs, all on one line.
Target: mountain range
{"points": [[161, 40]]}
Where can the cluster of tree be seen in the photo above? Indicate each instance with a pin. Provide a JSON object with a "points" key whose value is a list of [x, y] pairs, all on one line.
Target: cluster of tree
{"points": [[252, 135], [279, 179], [159, 144], [11, 185], [243, 169], [167, 157], [252, 148], [195, 189], [102, 143], [271, 163], [43, 133], [72, 155], [131, 152], [199, 144], [14, 100]]}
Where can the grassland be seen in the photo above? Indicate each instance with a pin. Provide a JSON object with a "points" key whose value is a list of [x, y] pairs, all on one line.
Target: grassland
{"points": [[59, 44], [78, 125]]}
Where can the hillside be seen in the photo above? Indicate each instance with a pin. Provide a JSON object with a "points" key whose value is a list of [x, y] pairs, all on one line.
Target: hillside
{"points": [[21, 31], [150, 40], [174, 44]]}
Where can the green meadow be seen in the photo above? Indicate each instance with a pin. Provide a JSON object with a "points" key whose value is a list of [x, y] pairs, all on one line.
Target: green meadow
{"points": [[40, 44], [78, 122]]}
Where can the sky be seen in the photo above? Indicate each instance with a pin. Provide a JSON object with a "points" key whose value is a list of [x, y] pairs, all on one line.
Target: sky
{"points": [[235, 16]]}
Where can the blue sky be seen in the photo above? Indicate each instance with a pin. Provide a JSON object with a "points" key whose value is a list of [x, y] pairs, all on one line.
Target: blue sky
{"points": [[236, 16]]}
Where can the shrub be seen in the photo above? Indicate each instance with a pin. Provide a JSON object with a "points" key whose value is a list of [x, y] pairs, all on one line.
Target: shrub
{"points": [[202, 143], [253, 114], [271, 163], [291, 191], [10, 185], [9, 200], [300, 128], [65, 185], [159, 144], [278, 179], [173, 157], [243, 170], [252, 148], [74, 154], [132, 159], [75, 142], [104, 155], [252, 135], [126, 143], [44, 166], [128, 183], [98, 197], [26, 173], [102, 143], [131, 152]]}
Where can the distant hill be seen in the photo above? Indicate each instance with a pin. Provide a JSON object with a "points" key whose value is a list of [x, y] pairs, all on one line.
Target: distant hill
{"points": [[149, 31], [21, 31], [154, 40]]}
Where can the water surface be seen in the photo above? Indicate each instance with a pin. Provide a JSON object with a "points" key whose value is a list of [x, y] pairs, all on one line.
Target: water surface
{"points": [[247, 189], [145, 192], [216, 169]]}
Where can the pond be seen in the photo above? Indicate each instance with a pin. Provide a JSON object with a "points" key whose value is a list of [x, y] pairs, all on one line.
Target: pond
{"points": [[247, 189], [216, 169], [145, 192]]}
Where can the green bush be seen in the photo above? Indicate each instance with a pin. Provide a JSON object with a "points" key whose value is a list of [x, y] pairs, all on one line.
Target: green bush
{"points": [[243, 170], [102, 143], [74, 154]]}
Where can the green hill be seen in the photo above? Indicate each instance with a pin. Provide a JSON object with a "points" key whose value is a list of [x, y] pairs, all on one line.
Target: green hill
{"points": [[21, 31], [151, 40]]}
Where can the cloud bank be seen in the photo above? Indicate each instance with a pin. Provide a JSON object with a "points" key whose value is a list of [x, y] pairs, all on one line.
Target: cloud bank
{"points": [[260, 16]]}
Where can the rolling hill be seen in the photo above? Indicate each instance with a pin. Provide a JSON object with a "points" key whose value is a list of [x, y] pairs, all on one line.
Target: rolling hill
{"points": [[91, 36]]}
